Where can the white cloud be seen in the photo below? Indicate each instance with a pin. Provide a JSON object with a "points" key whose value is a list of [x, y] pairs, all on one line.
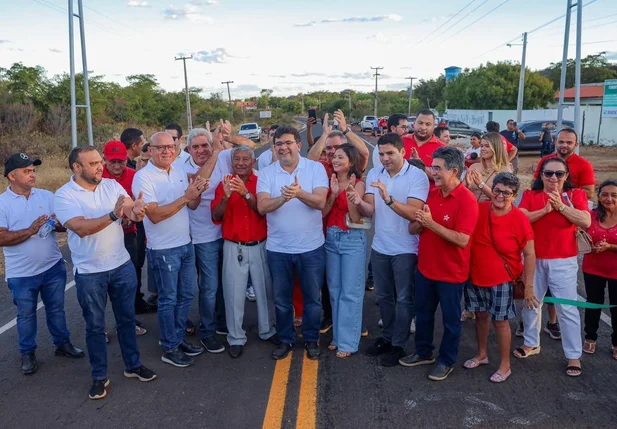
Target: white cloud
{"points": [[216, 56], [4, 41], [138, 3], [55, 51], [188, 12], [378, 18]]}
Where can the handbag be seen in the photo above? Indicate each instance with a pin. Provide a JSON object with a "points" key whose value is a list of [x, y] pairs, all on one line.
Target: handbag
{"points": [[365, 222], [518, 285], [584, 242]]}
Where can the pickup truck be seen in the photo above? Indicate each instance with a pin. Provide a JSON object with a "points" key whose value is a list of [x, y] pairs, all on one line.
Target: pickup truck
{"points": [[250, 131], [367, 123]]}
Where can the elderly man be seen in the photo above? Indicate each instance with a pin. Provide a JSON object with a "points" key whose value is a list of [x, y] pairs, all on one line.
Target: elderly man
{"points": [[92, 209], [244, 235], [33, 261], [445, 223], [291, 193], [167, 192]]}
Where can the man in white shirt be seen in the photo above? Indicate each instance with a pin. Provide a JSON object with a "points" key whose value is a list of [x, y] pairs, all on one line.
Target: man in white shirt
{"points": [[291, 193], [394, 193], [167, 192], [92, 208], [33, 262], [266, 157]]}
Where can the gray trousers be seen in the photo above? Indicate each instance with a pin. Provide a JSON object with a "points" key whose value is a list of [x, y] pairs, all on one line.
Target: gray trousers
{"points": [[235, 278]]}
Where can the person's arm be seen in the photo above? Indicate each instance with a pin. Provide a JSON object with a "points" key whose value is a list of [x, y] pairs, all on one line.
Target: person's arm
{"points": [[315, 152], [589, 191], [309, 132], [353, 139], [239, 141], [267, 204], [366, 207], [315, 199], [521, 135], [512, 153], [13, 238], [84, 227], [193, 204], [329, 203], [457, 238], [580, 218], [206, 170], [529, 269], [415, 227], [538, 214], [354, 212], [542, 135], [415, 200]]}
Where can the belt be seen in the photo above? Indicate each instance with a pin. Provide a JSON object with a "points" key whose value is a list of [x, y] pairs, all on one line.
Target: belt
{"points": [[248, 243]]}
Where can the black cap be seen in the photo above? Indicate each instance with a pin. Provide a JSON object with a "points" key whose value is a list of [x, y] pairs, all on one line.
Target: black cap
{"points": [[19, 160]]}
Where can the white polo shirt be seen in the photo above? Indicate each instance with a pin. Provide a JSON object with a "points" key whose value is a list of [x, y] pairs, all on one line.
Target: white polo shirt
{"points": [[295, 227], [392, 235], [100, 252], [35, 255], [162, 187], [264, 160], [203, 230]]}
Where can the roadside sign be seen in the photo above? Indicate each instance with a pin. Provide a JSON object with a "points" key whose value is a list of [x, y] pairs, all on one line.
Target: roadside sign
{"points": [[609, 102], [265, 114]]}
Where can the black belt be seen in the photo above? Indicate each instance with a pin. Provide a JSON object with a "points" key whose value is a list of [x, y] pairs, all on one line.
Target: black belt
{"points": [[248, 243]]}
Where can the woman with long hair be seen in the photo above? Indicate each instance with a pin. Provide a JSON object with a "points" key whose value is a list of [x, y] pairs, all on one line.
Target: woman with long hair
{"points": [[493, 160]]}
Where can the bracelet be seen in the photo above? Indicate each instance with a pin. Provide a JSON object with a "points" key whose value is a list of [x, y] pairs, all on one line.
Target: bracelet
{"points": [[112, 216]]}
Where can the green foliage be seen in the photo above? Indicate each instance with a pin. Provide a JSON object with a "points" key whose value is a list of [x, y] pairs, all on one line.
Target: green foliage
{"points": [[594, 68]]}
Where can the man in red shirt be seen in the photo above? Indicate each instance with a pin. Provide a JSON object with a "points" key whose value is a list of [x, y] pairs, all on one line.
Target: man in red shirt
{"points": [[446, 225], [244, 250], [581, 170]]}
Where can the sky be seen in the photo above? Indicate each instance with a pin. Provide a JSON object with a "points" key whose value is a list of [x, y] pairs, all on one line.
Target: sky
{"points": [[292, 46]]}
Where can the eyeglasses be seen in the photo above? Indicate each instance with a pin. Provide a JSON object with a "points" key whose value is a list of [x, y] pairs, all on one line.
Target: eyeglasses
{"points": [[506, 194], [286, 143], [435, 168], [405, 127], [175, 138], [162, 148], [549, 173]]}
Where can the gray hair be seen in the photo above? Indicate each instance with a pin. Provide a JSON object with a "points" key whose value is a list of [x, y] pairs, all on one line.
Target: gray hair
{"points": [[338, 133], [242, 148], [196, 132], [453, 158]]}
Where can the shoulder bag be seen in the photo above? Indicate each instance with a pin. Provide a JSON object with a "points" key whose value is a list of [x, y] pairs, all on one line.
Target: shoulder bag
{"points": [[584, 242]]}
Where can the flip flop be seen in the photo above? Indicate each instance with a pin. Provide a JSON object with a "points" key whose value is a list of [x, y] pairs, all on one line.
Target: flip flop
{"points": [[614, 352], [475, 362], [589, 347], [571, 368], [521, 354], [343, 355], [498, 377], [332, 347]]}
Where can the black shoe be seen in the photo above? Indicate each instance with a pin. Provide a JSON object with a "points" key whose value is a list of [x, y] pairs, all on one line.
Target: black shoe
{"points": [[142, 374], [326, 325], [142, 307], [369, 285], [189, 349], [69, 350], [212, 345], [235, 351], [380, 347], [153, 300], [222, 330], [274, 339], [553, 331], [440, 372], [312, 350], [177, 358], [281, 351], [415, 360], [97, 391], [391, 359], [29, 365]]}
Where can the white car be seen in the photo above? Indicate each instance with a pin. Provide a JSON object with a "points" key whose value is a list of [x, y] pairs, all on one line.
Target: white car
{"points": [[250, 131], [367, 123]]}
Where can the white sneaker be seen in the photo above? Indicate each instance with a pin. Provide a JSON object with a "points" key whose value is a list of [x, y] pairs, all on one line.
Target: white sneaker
{"points": [[412, 327], [380, 323], [250, 294]]}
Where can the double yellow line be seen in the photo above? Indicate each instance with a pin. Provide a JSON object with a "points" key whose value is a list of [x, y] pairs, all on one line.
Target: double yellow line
{"points": [[278, 394]]}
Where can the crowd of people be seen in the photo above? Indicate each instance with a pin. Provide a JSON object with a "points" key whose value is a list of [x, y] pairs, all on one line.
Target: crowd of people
{"points": [[292, 236]]}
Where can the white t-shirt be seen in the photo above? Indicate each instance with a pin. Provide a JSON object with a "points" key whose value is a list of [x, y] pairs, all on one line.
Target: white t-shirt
{"points": [[376, 161], [392, 236], [35, 255], [295, 227], [162, 187], [100, 252], [264, 159]]}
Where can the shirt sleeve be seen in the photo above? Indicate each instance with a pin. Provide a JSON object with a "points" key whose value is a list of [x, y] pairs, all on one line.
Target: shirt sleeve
{"points": [[579, 200], [525, 231], [66, 207], [320, 178], [587, 177], [370, 178], [4, 222], [223, 163], [218, 197], [525, 201], [119, 189], [509, 146], [141, 184], [419, 185], [263, 182], [467, 216], [376, 161]]}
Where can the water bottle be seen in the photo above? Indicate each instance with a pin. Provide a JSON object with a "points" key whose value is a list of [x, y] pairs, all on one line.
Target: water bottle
{"points": [[46, 228]]}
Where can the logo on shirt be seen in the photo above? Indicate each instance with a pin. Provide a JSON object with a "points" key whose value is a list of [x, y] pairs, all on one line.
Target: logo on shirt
{"points": [[446, 218]]}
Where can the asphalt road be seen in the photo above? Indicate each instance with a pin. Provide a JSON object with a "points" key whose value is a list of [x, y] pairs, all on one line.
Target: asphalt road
{"points": [[257, 392]]}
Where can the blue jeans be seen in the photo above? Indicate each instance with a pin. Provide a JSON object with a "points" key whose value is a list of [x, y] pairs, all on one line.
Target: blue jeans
{"points": [[176, 280], [92, 290], [430, 294], [50, 284], [345, 260], [310, 267], [211, 301]]}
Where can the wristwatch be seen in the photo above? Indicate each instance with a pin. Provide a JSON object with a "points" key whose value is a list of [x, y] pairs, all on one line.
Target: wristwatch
{"points": [[247, 196], [562, 208], [112, 216], [481, 185], [389, 203], [346, 131]]}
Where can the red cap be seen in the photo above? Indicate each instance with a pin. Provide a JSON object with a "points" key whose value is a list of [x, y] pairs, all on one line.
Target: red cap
{"points": [[115, 150]]}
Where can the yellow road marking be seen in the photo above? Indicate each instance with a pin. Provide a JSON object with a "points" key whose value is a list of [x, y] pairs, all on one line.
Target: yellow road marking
{"points": [[308, 395], [278, 393]]}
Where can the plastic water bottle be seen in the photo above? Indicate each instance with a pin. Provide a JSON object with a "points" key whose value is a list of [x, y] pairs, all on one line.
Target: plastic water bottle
{"points": [[46, 228]]}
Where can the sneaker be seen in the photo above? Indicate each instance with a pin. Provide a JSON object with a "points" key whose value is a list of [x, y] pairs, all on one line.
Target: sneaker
{"points": [[153, 300], [177, 358], [553, 331], [520, 330], [312, 350], [380, 323], [391, 359], [412, 327], [212, 345], [440, 372], [141, 373], [281, 351], [97, 391], [250, 294], [326, 325], [415, 360], [380, 347], [369, 285], [139, 331], [189, 349], [222, 331]]}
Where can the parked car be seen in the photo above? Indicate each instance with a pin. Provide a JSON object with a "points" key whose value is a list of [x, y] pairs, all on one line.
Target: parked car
{"points": [[459, 128], [532, 131], [367, 123], [250, 131]]}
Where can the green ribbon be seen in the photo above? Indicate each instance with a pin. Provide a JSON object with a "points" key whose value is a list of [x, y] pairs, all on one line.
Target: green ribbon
{"points": [[582, 304]]}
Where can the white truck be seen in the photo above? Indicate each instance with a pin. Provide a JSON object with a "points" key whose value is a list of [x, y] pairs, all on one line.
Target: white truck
{"points": [[250, 130], [367, 123]]}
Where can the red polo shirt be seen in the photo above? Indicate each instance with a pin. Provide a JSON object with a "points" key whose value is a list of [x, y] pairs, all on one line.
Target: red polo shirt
{"points": [[437, 258], [425, 151], [329, 169], [126, 181], [240, 222], [581, 170]]}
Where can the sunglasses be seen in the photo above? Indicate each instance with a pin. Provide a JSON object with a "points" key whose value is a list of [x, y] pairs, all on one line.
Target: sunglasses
{"points": [[549, 173]]}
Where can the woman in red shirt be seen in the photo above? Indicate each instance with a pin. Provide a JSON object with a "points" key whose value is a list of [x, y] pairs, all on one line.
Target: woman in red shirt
{"points": [[502, 233], [600, 266], [555, 209], [345, 252]]}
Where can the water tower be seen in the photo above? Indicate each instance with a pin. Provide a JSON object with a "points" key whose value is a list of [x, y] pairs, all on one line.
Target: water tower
{"points": [[452, 73]]}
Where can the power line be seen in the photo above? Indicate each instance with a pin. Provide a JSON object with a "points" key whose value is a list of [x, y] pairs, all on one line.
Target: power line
{"points": [[451, 18], [483, 16], [460, 20], [131, 28]]}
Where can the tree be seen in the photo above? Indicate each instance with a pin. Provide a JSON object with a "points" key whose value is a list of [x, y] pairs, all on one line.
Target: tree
{"points": [[594, 68], [430, 93], [26, 85]]}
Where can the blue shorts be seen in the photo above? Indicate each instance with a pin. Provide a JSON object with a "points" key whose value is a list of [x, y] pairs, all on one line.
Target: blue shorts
{"points": [[497, 300]]}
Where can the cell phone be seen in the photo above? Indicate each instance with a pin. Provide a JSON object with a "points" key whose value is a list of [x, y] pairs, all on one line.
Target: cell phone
{"points": [[514, 124], [312, 113]]}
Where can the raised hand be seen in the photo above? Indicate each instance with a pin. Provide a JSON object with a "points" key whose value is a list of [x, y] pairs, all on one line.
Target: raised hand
{"points": [[310, 122], [196, 187], [140, 206], [226, 128], [289, 192], [414, 153], [227, 186], [217, 139], [238, 185], [424, 216], [38, 223], [383, 191], [340, 117], [334, 185], [119, 207]]}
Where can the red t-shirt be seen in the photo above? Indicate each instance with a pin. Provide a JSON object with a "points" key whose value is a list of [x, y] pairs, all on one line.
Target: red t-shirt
{"points": [[601, 264], [329, 169], [581, 170], [126, 181], [511, 233], [506, 144], [240, 222], [425, 151], [554, 235], [339, 210], [437, 258]]}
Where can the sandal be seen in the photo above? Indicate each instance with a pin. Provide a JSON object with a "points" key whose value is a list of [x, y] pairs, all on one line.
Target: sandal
{"points": [[522, 354], [190, 327], [498, 377], [573, 370], [297, 322], [475, 362], [589, 347], [343, 355], [332, 347], [615, 352], [139, 331]]}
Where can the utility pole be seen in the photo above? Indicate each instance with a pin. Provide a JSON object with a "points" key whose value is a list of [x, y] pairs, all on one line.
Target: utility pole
{"points": [[231, 109], [577, 75], [189, 119], [410, 93], [376, 76], [564, 66], [349, 95], [521, 80], [74, 105]]}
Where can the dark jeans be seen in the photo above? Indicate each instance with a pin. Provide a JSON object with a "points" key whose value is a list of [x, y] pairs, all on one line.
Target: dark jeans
{"points": [[209, 259], [325, 301], [50, 284], [92, 292], [394, 288], [310, 267], [595, 286], [430, 294], [131, 245]]}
